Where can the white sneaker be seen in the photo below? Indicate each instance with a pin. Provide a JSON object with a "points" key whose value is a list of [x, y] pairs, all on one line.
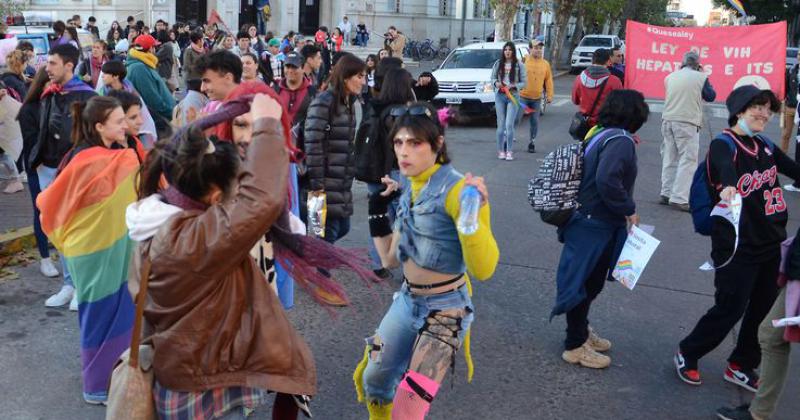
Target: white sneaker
{"points": [[61, 298], [73, 303], [47, 268], [501, 155], [791, 187], [14, 186]]}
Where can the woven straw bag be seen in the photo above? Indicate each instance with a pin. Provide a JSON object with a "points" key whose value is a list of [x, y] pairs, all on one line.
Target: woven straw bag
{"points": [[131, 392]]}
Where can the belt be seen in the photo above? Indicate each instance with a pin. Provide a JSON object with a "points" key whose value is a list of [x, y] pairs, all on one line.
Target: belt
{"points": [[434, 285]]}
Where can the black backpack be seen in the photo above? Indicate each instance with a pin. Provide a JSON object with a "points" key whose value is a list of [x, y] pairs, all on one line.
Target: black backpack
{"points": [[369, 150]]}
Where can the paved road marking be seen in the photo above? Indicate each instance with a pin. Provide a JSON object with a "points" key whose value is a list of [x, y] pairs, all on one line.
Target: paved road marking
{"points": [[657, 106]]}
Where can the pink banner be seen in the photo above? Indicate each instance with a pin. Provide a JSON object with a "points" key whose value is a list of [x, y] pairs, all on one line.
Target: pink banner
{"points": [[732, 56]]}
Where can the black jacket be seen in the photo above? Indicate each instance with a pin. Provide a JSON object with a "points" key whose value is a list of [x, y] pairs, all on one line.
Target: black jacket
{"points": [[16, 82], [55, 125], [165, 60], [428, 92], [791, 86], [28, 118], [329, 132]]}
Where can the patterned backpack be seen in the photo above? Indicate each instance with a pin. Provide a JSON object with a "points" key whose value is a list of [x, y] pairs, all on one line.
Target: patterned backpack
{"points": [[553, 192]]}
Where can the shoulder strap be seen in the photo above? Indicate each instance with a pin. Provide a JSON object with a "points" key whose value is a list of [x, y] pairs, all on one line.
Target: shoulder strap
{"points": [[599, 94], [133, 359]]}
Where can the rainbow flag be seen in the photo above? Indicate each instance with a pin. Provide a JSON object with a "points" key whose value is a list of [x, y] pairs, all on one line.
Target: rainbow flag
{"points": [[83, 214], [625, 265], [737, 4]]}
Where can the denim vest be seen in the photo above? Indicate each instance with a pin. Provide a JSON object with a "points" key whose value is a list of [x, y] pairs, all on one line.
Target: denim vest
{"points": [[428, 234]]}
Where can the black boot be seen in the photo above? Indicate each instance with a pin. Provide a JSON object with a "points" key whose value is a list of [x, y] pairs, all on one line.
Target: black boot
{"points": [[531, 147]]}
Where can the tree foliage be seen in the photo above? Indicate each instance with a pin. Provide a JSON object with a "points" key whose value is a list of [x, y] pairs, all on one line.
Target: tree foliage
{"points": [[766, 11], [10, 7], [652, 12]]}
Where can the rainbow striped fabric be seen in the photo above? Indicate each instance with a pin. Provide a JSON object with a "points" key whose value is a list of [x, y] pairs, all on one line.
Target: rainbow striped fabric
{"points": [[83, 214], [737, 4]]}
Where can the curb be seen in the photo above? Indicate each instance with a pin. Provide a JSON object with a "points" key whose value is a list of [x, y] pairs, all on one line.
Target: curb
{"points": [[16, 241]]}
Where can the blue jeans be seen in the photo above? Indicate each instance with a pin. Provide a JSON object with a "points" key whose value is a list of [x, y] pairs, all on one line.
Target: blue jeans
{"points": [[262, 25], [336, 228], [535, 105], [361, 39], [398, 331], [46, 176], [35, 189], [506, 118]]}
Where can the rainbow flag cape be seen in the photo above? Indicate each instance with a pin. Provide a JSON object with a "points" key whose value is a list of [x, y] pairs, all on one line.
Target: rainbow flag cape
{"points": [[526, 109], [737, 4], [83, 214]]}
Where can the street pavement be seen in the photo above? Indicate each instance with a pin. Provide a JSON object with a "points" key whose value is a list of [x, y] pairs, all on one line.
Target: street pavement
{"points": [[519, 373]]}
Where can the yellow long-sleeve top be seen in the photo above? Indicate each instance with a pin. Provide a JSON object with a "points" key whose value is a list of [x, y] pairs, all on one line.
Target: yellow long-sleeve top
{"points": [[539, 76], [479, 249]]}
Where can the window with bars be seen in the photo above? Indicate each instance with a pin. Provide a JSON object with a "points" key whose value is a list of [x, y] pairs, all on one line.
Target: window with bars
{"points": [[481, 9], [444, 7], [393, 6]]}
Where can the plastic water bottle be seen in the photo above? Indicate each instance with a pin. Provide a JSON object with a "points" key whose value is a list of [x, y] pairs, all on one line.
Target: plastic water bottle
{"points": [[470, 205]]}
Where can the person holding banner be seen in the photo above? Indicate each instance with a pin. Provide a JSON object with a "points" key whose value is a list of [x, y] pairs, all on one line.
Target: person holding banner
{"points": [[686, 89], [746, 265], [596, 233]]}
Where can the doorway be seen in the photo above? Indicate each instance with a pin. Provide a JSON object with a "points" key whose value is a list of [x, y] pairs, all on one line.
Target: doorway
{"points": [[191, 11], [248, 14], [309, 17]]}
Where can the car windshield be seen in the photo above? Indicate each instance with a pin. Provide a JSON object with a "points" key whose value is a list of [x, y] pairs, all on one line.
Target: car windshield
{"points": [[471, 59], [595, 42], [39, 46]]}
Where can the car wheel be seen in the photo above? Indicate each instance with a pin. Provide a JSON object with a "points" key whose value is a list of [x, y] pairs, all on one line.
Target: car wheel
{"points": [[574, 70]]}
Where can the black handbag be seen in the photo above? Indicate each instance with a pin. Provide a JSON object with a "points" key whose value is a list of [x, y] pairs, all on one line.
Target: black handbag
{"points": [[580, 122]]}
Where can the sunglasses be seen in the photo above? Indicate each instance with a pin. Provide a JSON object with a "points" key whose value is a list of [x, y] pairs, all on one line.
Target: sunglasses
{"points": [[413, 110]]}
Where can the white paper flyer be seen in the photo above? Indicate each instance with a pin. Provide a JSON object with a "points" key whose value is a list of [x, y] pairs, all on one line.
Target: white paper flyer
{"points": [[636, 253]]}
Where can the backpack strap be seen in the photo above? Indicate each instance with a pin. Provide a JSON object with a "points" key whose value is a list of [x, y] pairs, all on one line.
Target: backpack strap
{"points": [[726, 138], [606, 135]]}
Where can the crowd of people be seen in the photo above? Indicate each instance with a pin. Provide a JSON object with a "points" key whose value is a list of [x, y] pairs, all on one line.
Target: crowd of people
{"points": [[213, 171]]}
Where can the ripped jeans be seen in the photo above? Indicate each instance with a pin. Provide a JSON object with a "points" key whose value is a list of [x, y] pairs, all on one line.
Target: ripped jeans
{"points": [[394, 343]]}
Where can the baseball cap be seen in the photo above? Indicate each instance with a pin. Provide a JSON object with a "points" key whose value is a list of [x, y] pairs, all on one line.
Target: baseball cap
{"points": [[145, 41], [274, 42], [293, 59], [539, 40]]}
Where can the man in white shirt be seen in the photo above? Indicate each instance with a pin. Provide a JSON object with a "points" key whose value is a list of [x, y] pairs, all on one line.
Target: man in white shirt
{"points": [[346, 27], [686, 89]]}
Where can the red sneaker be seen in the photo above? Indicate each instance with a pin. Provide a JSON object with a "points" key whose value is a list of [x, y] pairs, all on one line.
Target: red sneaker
{"points": [[690, 376]]}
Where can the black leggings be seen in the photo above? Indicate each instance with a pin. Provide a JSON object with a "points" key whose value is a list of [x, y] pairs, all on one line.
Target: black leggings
{"points": [[578, 317]]}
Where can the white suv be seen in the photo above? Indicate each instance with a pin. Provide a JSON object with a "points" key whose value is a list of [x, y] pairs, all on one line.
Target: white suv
{"points": [[465, 77], [582, 55]]}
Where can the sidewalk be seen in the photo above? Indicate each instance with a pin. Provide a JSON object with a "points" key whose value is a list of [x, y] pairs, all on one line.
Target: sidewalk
{"points": [[17, 220]]}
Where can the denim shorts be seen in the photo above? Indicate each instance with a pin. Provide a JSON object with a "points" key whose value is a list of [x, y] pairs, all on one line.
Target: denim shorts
{"points": [[398, 332]]}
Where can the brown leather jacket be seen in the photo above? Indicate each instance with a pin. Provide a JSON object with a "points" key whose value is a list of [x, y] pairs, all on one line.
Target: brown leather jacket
{"points": [[215, 321]]}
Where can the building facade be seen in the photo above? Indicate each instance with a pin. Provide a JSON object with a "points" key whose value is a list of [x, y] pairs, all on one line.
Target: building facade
{"points": [[419, 19]]}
